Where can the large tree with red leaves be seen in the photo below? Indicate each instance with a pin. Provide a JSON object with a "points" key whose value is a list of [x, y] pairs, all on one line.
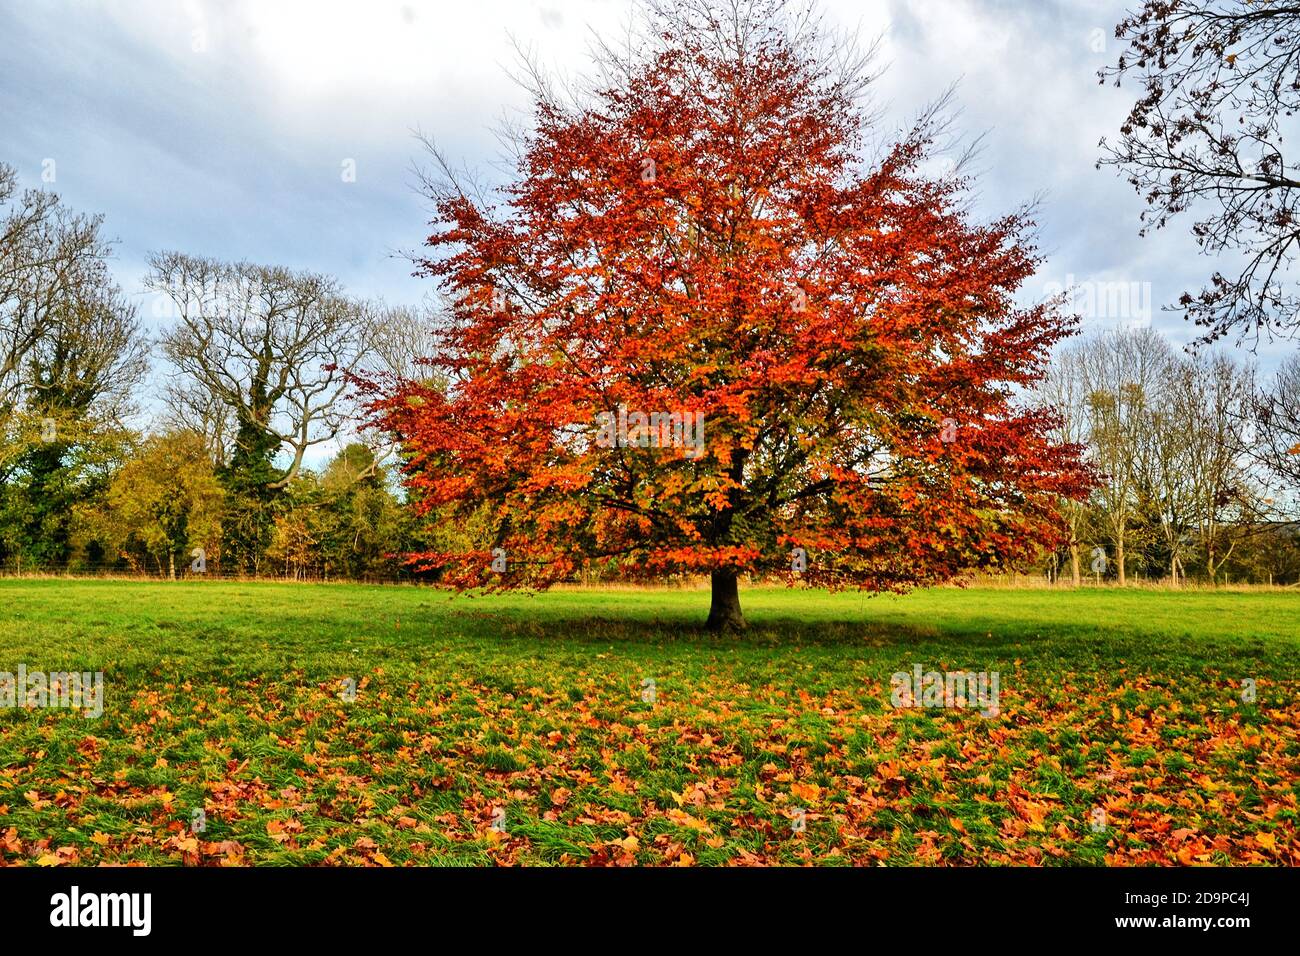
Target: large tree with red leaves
{"points": [[705, 233]]}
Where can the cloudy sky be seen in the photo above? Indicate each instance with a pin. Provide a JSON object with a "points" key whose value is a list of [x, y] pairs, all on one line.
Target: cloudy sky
{"points": [[225, 128]]}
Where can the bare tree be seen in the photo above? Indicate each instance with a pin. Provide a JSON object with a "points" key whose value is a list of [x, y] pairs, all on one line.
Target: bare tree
{"points": [[263, 349], [1275, 415], [1218, 392], [403, 337], [71, 351], [1167, 480], [1124, 371], [1065, 390], [92, 356], [191, 408], [1220, 85], [45, 253]]}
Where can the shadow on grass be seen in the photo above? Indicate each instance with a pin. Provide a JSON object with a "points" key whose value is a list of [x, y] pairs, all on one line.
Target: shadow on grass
{"points": [[764, 631], [1056, 645]]}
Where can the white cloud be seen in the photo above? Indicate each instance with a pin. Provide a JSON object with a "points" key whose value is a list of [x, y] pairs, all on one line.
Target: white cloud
{"points": [[221, 127]]}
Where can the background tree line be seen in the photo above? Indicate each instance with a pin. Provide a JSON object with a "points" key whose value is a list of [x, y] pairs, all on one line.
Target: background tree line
{"points": [[253, 384], [1198, 457]]}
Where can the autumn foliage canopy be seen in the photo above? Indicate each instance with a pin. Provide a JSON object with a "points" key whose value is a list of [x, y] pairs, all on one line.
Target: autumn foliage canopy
{"points": [[805, 350]]}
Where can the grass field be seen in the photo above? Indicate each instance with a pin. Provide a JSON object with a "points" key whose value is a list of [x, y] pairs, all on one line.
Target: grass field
{"points": [[523, 730]]}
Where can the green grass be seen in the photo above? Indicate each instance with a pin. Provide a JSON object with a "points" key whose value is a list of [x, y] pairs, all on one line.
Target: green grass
{"points": [[514, 729]]}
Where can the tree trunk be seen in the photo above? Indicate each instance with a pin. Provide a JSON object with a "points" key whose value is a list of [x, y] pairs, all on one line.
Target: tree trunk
{"points": [[171, 565], [1074, 563], [1119, 561], [724, 611]]}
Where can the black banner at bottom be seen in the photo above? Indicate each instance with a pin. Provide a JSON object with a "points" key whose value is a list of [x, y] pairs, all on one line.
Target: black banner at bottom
{"points": [[335, 906]]}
